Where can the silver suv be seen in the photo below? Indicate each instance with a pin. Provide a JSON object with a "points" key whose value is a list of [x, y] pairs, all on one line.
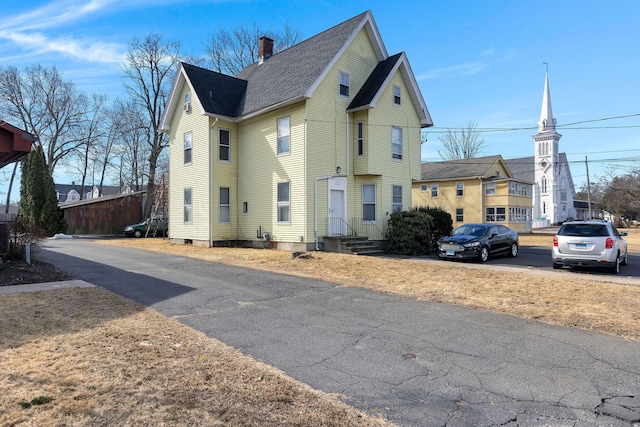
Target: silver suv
{"points": [[592, 243]]}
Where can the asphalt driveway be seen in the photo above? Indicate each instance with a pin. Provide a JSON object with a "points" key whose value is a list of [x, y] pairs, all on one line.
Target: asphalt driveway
{"points": [[417, 363]]}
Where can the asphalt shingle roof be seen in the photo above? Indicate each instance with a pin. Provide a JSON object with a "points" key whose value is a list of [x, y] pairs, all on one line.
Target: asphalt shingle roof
{"points": [[374, 82], [464, 168], [289, 74], [218, 93]]}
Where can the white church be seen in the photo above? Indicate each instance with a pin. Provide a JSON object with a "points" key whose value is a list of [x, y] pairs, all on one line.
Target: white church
{"points": [[548, 170]]}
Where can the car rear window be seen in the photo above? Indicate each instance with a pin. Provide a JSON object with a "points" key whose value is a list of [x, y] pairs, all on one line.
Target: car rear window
{"points": [[595, 230]]}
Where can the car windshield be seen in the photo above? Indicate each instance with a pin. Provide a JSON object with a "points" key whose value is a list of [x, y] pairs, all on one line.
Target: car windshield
{"points": [[471, 230], [594, 230]]}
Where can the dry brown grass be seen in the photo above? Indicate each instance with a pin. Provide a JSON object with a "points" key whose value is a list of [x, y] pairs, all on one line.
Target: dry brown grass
{"points": [[106, 361], [560, 298]]}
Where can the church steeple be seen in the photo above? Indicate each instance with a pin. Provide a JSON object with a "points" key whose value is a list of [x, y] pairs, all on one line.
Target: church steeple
{"points": [[547, 122]]}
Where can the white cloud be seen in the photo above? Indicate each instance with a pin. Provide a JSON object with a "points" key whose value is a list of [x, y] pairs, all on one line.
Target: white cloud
{"points": [[455, 71], [35, 32]]}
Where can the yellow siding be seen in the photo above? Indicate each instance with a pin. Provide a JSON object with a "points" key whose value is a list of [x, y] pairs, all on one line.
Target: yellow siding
{"points": [[192, 175], [224, 174], [474, 201], [260, 170]]}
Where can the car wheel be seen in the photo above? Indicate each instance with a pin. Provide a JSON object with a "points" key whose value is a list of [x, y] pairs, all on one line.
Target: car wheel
{"points": [[625, 260], [484, 254], [615, 268], [137, 233], [557, 266], [514, 250]]}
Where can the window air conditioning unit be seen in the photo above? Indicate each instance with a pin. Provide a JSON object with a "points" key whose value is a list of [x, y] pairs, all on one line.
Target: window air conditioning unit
{"points": [[186, 106]]}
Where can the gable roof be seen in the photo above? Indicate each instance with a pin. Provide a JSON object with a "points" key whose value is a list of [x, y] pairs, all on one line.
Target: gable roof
{"points": [[217, 93], [289, 76], [478, 167], [523, 168]]}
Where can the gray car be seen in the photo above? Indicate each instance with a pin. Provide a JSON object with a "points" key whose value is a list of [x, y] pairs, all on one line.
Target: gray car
{"points": [[592, 243]]}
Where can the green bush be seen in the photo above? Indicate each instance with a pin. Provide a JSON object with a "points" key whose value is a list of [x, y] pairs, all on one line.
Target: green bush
{"points": [[442, 222], [410, 233]]}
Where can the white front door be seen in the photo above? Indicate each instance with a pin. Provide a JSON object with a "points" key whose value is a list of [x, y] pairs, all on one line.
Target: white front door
{"points": [[337, 225]]}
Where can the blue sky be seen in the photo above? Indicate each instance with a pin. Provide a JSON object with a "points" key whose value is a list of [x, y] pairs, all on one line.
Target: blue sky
{"points": [[474, 60]]}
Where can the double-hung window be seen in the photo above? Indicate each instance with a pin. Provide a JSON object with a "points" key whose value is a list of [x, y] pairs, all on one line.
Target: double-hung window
{"points": [[396, 203], [434, 191], [224, 206], [284, 135], [459, 214], [344, 83], [284, 202], [396, 143], [224, 145], [396, 95], [490, 188], [188, 144], [188, 206], [360, 139], [368, 203], [460, 189]]}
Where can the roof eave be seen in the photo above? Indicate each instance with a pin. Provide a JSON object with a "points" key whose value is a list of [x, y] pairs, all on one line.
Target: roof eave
{"points": [[273, 107]]}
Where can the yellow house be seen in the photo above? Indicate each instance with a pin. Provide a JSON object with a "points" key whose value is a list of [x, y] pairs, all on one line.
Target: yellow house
{"points": [[319, 140], [480, 190]]}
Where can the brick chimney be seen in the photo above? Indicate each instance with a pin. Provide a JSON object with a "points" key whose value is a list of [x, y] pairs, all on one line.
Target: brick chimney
{"points": [[265, 50]]}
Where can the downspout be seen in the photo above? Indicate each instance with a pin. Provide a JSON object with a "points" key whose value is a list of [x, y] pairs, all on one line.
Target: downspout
{"points": [[211, 157], [315, 207]]}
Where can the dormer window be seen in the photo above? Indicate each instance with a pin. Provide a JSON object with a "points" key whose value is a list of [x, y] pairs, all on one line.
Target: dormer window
{"points": [[396, 95], [344, 84]]}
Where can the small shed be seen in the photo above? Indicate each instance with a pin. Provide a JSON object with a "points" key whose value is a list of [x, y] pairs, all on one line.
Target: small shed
{"points": [[107, 215]]}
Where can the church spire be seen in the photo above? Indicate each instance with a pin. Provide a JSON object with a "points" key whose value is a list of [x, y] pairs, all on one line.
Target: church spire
{"points": [[547, 122]]}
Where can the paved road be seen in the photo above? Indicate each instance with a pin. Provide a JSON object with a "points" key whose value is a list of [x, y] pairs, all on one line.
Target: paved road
{"points": [[417, 363]]}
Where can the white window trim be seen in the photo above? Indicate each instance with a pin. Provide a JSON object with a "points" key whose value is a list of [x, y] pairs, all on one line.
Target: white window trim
{"points": [[188, 141], [461, 185], [344, 80], [280, 204], [394, 144], [437, 188], [374, 203], [461, 214], [397, 97], [227, 146], [221, 205], [288, 152], [488, 186], [187, 206], [394, 205], [360, 138]]}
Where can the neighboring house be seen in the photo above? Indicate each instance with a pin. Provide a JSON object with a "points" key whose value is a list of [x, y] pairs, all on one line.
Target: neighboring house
{"points": [[548, 169], [314, 141], [15, 143], [583, 211], [476, 190], [71, 193]]}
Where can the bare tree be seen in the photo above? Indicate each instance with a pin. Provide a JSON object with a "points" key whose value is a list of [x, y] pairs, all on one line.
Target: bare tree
{"points": [[464, 143], [91, 130], [232, 50], [41, 102], [149, 69], [130, 132]]}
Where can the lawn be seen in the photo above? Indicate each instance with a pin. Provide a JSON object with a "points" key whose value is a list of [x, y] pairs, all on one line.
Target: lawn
{"points": [[80, 357]]}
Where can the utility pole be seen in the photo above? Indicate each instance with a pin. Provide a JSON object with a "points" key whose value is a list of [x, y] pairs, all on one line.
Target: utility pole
{"points": [[586, 162]]}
